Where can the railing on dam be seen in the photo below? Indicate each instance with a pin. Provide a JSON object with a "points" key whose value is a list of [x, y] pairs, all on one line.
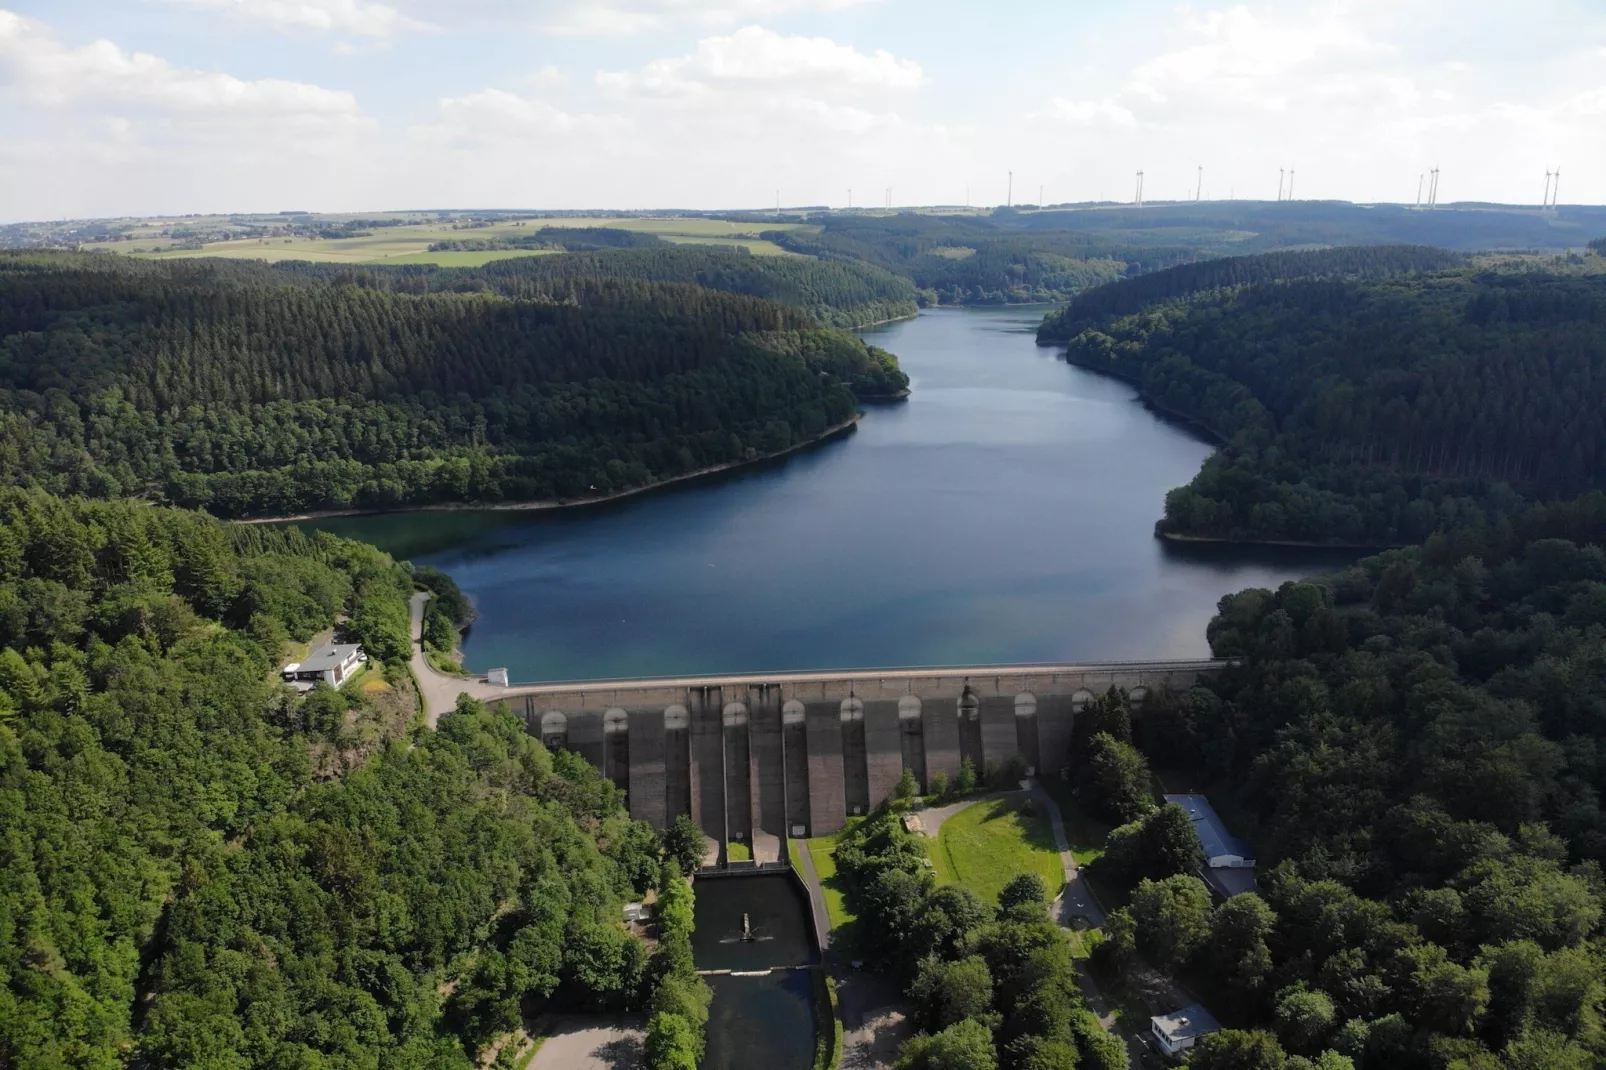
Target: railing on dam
{"points": [[874, 673]]}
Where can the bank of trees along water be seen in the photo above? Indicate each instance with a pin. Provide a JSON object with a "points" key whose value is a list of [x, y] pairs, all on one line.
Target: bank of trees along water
{"points": [[257, 391], [184, 884], [1357, 407]]}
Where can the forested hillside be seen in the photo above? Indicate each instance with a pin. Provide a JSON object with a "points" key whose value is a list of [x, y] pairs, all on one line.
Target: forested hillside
{"points": [[974, 261], [244, 389], [1131, 295], [1358, 410], [1416, 747], [836, 293], [180, 884]]}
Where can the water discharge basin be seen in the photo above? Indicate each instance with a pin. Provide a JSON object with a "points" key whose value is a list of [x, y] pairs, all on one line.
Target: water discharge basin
{"points": [[762, 1014], [777, 916]]}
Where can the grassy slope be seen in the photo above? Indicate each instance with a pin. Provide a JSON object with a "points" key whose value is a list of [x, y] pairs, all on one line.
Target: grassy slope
{"points": [[983, 846]]}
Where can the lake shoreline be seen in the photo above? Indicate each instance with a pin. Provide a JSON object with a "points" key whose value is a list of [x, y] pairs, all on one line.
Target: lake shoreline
{"points": [[1295, 544], [546, 505]]}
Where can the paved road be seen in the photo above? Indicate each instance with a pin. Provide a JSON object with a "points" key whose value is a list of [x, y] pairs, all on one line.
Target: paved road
{"points": [[437, 691], [1076, 898], [586, 1042]]}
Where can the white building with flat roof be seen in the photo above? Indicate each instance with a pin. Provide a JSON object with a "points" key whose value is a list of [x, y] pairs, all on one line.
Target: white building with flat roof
{"points": [[1180, 1030], [333, 664]]}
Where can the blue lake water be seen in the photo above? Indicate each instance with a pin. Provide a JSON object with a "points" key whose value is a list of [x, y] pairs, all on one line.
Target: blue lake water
{"points": [[1003, 514]]}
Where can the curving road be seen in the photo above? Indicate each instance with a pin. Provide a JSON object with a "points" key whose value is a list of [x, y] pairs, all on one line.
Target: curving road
{"points": [[437, 691]]}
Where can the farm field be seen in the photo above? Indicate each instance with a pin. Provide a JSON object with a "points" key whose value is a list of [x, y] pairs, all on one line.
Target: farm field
{"points": [[409, 244]]}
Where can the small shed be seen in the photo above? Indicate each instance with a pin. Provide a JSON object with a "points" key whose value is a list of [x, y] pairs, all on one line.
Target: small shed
{"points": [[1180, 1030]]}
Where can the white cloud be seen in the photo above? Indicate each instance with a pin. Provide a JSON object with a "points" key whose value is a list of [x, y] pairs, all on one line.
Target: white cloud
{"points": [[1358, 95], [615, 17], [373, 18], [495, 114], [754, 57], [37, 67], [365, 18], [1090, 113]]}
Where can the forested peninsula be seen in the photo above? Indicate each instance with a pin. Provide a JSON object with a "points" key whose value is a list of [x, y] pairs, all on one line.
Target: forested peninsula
{"points": [[247, 390], [1364, 396]]}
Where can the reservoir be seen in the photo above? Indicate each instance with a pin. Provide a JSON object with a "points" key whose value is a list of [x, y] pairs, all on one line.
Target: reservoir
{"points": [[1003, 514]]}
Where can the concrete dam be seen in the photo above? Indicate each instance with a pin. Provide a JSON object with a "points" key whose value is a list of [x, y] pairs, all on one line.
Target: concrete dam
{"points": [[757, 758]]}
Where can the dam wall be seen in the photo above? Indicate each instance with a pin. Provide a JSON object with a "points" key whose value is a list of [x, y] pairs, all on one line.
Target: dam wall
{"points": [[758, 758]]}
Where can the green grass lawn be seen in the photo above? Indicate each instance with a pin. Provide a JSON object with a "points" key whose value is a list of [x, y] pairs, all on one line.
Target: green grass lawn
{"points": [[822, 849], [737, 852], [844, 924], [984, 846]]}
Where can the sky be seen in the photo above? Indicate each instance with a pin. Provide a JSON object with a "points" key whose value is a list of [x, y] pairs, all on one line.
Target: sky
{"points": [[145, 107]]}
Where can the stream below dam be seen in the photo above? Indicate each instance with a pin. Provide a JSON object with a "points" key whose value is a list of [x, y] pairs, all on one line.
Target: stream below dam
{"points": [[1003, 514]]}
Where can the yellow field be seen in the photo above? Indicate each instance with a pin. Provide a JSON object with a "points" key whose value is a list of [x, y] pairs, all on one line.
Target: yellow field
{"points": [[410, 244]]}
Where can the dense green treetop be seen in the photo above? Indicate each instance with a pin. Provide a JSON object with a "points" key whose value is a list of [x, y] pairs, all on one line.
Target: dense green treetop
{"points": [[1414, 745], [835, 293], [1127, 296], [1371, 411], [247, 389], [988, 988], [184, 880]]}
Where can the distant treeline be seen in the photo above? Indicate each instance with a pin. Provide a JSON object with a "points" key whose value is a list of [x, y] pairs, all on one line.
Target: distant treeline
{"points": [[1224, 228], [246, 389], [1359, 408], [975, 261]]}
